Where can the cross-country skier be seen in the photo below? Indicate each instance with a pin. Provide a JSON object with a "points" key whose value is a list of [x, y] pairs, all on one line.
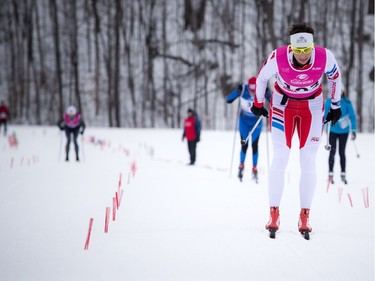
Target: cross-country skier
{"points": [[4, 116], [339, 133], [297, 104], [192, 132], [73, 124], [246, 122]]}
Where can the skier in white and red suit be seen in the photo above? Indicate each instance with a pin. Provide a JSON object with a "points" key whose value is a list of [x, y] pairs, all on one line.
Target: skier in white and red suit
{"points": [[297, 104]]}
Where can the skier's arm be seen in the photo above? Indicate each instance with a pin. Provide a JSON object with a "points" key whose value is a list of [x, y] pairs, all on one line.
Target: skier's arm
{"points": [[332, 71], [198, 127], [352, 117], [268, 70], [61, 124], [233, 95], [82, 126]]}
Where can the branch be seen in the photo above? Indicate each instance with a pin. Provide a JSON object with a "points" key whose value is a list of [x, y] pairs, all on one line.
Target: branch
{"points": [[180, 59]]}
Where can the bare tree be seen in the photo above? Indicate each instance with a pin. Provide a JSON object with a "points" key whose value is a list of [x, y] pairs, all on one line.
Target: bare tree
{"points": [[56, 39], [97, 54]]}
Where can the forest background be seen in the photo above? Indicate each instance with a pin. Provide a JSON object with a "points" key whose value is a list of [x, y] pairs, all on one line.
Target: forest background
{"points": [[144, 63]]}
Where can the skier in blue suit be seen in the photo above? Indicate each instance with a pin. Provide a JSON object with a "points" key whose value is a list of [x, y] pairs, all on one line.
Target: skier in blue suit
{"points": [[340, 132], [246, 123]]}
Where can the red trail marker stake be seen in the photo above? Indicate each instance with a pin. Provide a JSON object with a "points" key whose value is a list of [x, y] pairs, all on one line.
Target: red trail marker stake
{"points": [[350, 199], [340, 190], [120, 181], [365, 197], [88, 235], [328, 183], [106, 222], [114, 207]]}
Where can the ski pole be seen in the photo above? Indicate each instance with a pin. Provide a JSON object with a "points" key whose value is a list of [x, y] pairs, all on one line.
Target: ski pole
{"points": [[268, 153], [60, 145], [253, 129], [83, 148], [328, 146], [356, 150], [234, 139]]}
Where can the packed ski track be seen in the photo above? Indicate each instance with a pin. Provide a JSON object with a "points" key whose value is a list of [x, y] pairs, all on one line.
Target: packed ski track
{"points": [[173, 221]]}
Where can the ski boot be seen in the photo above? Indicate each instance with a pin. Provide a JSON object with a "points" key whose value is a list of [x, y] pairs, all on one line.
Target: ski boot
{"points": [[330, 177], [240, 171], [274, 222], [303, 223], [255, 174], [343, 177]]}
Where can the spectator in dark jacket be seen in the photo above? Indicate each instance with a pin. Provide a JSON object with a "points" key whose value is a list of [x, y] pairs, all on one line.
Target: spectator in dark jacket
{"points": [[192, 131]]}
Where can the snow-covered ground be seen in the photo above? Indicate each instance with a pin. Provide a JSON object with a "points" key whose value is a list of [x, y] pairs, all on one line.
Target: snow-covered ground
{"points": [[174, 222]]}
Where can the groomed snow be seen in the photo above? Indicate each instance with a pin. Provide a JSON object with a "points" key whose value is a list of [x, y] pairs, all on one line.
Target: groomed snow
{"points": [[175, 222]]}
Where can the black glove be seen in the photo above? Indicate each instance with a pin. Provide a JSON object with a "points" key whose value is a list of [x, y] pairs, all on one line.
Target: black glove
{"points": [[259, 111], [354, 136], [82, 132], [333, 116], [198, 138], [239, 87]]}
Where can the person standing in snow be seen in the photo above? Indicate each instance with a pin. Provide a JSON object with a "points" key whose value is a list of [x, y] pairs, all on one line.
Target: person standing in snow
{"points": [[246, 123], [340, 133], [192, 132], [4, 115], [297, 104], [73, 124]]}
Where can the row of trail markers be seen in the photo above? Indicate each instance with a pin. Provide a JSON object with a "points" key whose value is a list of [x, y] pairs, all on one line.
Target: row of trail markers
{"points": [[365, 195], [116, 203], [23, 161]]}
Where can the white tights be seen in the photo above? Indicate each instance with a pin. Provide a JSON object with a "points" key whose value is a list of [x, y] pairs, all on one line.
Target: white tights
{"points": [[277, 174]]}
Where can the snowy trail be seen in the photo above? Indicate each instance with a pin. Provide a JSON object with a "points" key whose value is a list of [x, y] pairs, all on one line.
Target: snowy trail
{"points": [[175, 222]]}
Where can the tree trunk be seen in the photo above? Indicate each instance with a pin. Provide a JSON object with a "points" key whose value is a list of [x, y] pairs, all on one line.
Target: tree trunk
{"points": [[97, 56], [116, 86], [56, 39], [360, 31], [75, 55]]}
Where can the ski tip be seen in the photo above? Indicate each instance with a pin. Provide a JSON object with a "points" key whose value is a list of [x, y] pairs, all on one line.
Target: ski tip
{"points": [[272, 233], [305, 234]]}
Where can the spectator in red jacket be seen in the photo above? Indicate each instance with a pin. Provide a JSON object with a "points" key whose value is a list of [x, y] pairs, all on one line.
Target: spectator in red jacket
{"points": [[4, 115], [192, 131]]}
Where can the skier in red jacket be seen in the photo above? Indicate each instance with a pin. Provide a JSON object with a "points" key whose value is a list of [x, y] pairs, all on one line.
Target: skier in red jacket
{"points": [[192, 131], [4, 115]]}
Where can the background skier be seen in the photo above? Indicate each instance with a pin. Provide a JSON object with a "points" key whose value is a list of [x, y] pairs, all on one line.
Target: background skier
{"points": [[246, 122], [192, 131], [339, 133], [4, 115], [73, 124]]}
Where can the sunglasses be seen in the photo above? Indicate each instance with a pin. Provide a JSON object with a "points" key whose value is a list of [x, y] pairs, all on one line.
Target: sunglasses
{"points": [[306, 50]]}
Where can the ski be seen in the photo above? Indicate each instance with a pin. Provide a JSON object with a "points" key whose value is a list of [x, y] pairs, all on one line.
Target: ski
{"points": [[272, 231], [305, 234]]}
